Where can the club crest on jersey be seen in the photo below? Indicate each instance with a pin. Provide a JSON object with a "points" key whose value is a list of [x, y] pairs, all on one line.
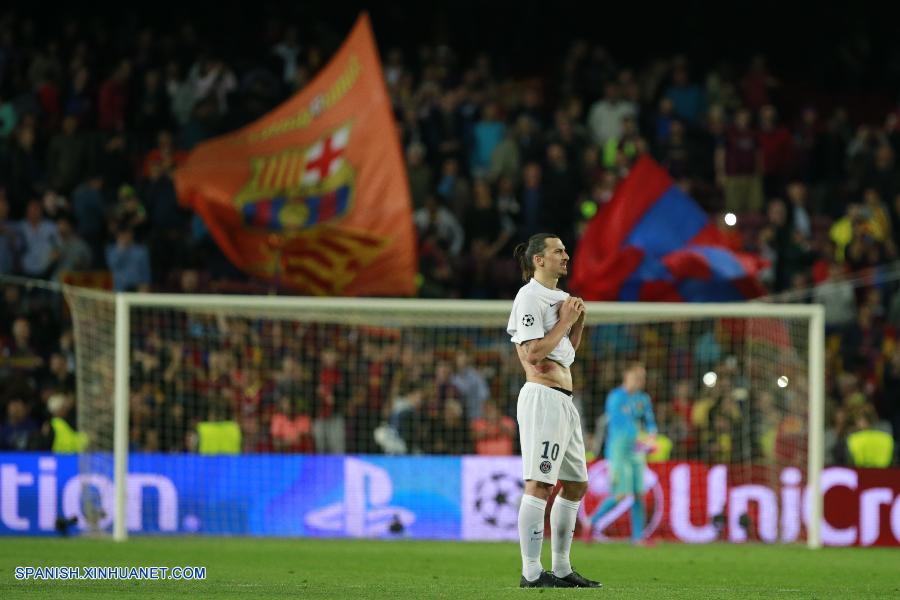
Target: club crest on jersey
{"points": [[545, 467], [299, 188], [528, 320]]}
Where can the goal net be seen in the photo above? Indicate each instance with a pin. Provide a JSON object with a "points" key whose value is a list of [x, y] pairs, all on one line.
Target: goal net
{"points": [[192, 380]]}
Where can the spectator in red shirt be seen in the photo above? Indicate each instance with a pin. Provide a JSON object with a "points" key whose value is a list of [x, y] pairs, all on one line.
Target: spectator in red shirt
{"points": [[494, 432], [861, 341], [775, 144], [790, 441], [808, 146], [165, 156], [291, 432], [114, 98], [739, 166], [756, 83]]}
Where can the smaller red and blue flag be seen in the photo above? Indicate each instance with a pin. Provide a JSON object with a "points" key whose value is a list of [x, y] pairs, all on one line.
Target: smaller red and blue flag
{"points": [[652, 242]]}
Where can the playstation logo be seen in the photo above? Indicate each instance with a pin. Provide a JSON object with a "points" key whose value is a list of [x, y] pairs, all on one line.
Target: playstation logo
{"points": [[365, 511]]}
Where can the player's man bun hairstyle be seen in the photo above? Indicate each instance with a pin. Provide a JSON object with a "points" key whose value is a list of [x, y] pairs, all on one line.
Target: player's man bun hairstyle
{"points": [[526, 251]]}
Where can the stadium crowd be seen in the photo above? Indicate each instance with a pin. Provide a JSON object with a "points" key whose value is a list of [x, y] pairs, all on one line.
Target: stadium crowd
{"points": [[92, 127]]}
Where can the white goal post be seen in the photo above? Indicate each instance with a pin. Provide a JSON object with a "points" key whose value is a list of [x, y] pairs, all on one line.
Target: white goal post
{"points": [[415, 313]]}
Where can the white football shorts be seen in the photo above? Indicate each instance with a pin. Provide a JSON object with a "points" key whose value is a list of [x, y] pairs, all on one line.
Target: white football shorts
{"points": [[550, 435]]}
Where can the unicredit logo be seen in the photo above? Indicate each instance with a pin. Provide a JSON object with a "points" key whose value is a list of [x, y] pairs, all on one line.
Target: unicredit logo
{"points": [[703, 504]]}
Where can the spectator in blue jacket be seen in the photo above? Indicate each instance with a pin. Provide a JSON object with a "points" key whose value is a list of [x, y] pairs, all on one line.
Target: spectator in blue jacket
{"points": [[129, 262]]}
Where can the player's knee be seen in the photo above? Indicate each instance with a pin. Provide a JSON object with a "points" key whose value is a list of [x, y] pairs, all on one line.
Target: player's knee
{"points": [[574, 490], [538, 489]]}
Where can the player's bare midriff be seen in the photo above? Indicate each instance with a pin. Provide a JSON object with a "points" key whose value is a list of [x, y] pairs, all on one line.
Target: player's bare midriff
{"points": [[547, 372]]}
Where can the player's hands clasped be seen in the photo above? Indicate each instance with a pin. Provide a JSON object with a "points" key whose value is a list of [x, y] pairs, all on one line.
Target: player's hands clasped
{"points": [[582, 308], [571, 310]]}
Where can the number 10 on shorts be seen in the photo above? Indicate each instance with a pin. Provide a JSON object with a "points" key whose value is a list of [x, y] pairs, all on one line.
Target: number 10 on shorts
{"points": [[554, 453], [546, 466]]}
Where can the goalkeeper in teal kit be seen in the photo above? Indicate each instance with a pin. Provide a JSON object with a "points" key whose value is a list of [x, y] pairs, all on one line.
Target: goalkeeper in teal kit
{"points": [[627, 408]]}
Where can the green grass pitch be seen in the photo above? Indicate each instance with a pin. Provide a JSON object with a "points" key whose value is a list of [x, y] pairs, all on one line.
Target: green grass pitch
{"points": [[355, 569]]}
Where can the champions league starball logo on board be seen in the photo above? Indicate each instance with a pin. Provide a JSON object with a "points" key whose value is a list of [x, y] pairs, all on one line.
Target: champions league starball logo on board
{"points": [[492, 489], [497, 499], [599, 489]]}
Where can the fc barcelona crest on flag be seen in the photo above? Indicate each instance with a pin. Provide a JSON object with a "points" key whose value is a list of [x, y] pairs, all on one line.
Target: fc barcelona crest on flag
{"points": [[297, 189], [313, 196]]}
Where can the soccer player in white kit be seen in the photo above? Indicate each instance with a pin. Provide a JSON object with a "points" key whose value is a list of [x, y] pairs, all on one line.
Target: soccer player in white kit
{"points": [[546, 325]]}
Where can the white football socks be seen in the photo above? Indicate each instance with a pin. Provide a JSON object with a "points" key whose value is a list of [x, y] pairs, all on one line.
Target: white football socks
{"points": [[562, 528], [531, 535]]}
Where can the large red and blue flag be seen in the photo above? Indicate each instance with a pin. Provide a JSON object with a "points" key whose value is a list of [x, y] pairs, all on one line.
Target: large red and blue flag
{"points": [[652, 241]]}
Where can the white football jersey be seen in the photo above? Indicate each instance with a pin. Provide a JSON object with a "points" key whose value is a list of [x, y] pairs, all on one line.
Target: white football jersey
{"points": [[535, 312]]}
